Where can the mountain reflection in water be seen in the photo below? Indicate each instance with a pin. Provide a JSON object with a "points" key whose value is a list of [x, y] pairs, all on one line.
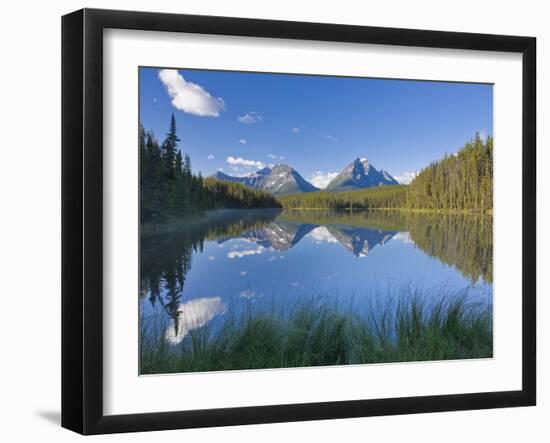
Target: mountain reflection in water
{"points": [[190, 273], [282, 236]]}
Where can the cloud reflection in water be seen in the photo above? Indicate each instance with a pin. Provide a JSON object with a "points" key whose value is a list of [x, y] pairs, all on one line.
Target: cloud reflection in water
{"points": [[192, 315]]}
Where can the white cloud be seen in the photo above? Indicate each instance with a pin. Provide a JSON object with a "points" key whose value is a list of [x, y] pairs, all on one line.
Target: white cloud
{"points": [[322, 180], [276, 157], [295, 129], [246, 252], [242, 141], [406, 178], [250, 117], [210, 157], [154, 99], [190, 97], [211, 257], [271, 155], [239, 161], [282, 157], [243, 272]]}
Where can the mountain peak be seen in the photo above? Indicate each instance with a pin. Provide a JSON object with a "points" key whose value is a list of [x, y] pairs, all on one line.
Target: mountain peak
{"points": [[361, 162], [360, 174], [281, 167]]}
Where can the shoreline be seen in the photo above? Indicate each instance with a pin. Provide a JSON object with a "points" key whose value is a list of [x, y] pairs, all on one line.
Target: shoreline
{"points": [[212, 215], [412, 210], [196, 218]]}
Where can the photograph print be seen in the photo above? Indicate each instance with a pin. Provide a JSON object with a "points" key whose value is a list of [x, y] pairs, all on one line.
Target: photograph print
{"points": [[291, 221]]}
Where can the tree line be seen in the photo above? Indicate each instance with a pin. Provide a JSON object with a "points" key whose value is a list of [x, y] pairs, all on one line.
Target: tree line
{"points": [[169, 188], [462, 181], [387, 197]]}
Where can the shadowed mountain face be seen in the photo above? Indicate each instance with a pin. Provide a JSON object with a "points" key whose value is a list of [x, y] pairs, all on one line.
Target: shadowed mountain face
{"points": [[358, 175], [279, 180]]}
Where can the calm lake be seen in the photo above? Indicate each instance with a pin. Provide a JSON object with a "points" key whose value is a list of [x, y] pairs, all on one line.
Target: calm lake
{"points": [[211, 268]]}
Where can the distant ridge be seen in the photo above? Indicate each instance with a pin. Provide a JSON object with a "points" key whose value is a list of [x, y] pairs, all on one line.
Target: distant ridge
{"points": [[279, 180], [283, 179]]}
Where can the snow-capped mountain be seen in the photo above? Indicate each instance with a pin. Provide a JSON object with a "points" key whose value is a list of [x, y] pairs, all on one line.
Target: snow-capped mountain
{"points": [[279, 180], [253, 180], [360, 174]]}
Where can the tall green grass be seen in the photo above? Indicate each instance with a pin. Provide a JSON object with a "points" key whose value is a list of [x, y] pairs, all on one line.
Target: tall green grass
{"points": [[316, 333]]}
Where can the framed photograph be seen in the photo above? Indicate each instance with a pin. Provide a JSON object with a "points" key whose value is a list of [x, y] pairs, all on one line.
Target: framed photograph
{"points": [[269, 221]]}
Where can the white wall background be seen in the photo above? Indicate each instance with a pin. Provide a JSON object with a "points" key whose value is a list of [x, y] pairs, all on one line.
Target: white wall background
{"points": [[30, 218]]}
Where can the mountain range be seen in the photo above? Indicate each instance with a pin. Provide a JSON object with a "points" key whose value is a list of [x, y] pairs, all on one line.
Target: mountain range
{"points": [[279, 180], [283, 179]]}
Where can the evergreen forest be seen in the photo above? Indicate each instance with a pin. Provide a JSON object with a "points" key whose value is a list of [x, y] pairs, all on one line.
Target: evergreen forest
{"points": [[170, 189]]}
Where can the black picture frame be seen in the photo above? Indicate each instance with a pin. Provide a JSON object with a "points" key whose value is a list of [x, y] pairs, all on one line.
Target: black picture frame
{"points": [[82, 219]]}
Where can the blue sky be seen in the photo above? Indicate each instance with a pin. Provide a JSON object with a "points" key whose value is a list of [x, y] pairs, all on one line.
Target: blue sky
{"points": [[238, 122]]}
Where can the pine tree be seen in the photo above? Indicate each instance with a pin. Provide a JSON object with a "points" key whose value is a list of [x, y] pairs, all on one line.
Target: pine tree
{"points": [[170, 149]]}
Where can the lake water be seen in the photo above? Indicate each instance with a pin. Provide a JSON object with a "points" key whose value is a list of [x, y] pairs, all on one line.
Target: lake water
{"points": [[203, 271]]}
